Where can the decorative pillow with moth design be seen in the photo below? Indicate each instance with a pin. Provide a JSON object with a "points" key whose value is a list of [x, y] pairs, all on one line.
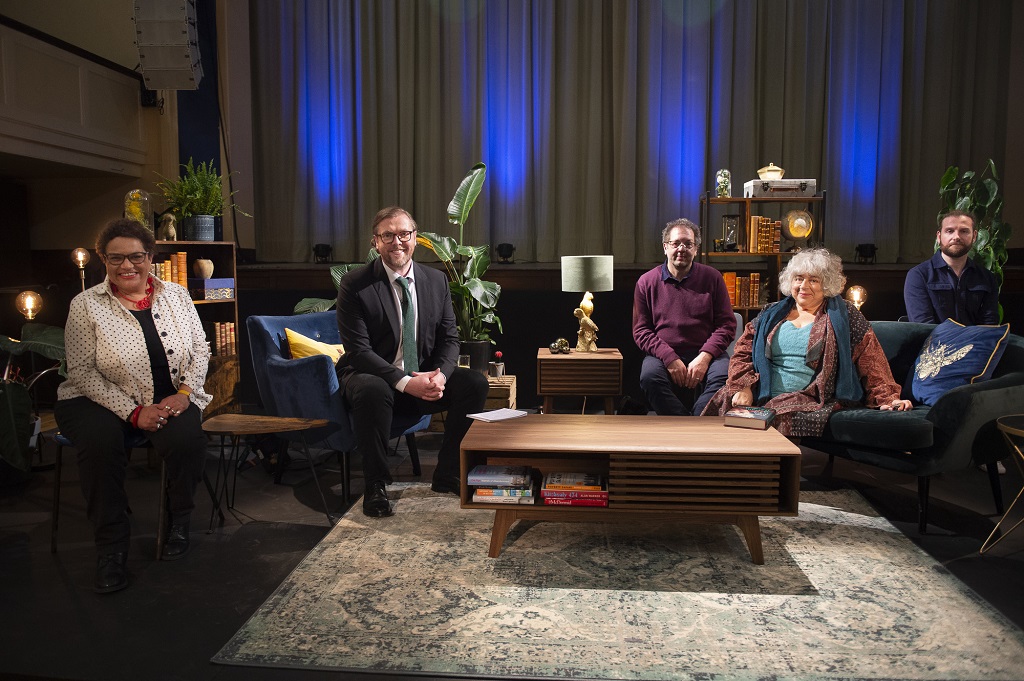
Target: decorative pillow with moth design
{"points": [[956, 355]]}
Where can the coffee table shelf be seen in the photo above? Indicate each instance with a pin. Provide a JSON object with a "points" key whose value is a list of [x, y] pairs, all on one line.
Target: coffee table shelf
{"points": [[658, 468]]}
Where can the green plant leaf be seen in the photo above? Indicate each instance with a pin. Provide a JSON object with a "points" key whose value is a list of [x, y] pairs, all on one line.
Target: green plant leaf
{"points": [[444, 247], [948, 178], [308, 305], [41, 339], [465, 195]]}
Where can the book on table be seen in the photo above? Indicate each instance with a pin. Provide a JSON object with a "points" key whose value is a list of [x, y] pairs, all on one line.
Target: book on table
{"points": [[516, 496], [558, 501], [574, 481], [499, 476], [758, 418]]}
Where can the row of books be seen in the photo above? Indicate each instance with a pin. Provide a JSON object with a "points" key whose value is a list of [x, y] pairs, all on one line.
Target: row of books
{"points": [[743, 291], [174, 269], [221, 337], [523, 485], [764, 235]]}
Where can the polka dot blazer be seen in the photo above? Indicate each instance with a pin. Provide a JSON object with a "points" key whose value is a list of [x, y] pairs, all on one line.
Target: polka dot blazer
{"points": [[106, 350]]}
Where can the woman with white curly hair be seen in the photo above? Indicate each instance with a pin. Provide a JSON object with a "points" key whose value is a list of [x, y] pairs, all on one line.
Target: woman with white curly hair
{"points": [[809, 354]]}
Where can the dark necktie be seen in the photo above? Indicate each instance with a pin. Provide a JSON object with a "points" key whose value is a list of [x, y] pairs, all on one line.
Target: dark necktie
{"points": [[409, 355]]}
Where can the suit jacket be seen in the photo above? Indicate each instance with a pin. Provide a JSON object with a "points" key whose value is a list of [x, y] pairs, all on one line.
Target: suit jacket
{"points": [[371, 326]]}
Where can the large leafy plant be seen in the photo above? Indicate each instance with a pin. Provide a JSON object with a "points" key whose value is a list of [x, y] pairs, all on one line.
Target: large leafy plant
{"points": [[15, 391], [473, 298], [979, 195], [337, 272], [198, 191]]}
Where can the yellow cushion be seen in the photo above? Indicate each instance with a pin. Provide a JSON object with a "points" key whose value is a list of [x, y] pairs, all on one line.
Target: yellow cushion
{"points": [[301, 346]]}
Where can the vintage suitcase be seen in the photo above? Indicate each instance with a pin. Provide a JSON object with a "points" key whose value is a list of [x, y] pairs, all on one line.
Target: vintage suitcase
{"points": [[779, 188]]}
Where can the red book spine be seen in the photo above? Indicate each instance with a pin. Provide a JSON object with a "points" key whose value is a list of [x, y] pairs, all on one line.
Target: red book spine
{"points": [[555, 501]]}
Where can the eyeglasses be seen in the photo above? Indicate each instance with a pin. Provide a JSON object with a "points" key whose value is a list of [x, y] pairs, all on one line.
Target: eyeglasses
{"points": [[688, 245], [389, 237], [134, 258]]}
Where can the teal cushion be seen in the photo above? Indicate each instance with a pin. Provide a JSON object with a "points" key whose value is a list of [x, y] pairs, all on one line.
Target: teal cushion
{"points": [[900, 430], [955, 355]]}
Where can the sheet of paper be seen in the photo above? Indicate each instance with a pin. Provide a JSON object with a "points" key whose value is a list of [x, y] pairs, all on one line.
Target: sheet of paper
{"points": [[498, 414]]}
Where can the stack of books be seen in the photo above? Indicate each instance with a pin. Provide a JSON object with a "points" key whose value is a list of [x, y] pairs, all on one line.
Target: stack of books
{"points": [[574, 489], [502, 484]]}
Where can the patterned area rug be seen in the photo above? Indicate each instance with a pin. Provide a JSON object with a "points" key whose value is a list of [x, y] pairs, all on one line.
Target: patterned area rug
{"points": [[842, 595]]}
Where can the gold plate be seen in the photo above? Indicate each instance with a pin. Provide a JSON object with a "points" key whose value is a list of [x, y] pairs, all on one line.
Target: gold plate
{"points": [[798, 224]]}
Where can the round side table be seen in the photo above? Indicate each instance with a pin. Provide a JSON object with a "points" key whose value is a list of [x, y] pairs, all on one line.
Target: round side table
{"points": [[1012, 428]]}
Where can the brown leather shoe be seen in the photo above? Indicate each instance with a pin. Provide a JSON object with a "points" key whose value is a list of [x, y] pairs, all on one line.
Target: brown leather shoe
{"points": [[111, 573], [375, 501]]}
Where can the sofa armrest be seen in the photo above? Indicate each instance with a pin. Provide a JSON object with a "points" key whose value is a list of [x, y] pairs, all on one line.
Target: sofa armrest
{"points": [[960, 414]]}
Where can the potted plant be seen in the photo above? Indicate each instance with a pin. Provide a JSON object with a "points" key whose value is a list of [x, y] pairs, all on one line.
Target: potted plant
{"points": [[980, 196], [196, 198], [16, 417]]}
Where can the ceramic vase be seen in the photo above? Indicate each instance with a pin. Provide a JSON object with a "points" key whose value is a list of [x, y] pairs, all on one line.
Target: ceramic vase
{"points": [[203, 268]]}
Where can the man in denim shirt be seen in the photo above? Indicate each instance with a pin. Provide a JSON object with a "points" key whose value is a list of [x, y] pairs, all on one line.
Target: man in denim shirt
{"points": [[950, 285]]}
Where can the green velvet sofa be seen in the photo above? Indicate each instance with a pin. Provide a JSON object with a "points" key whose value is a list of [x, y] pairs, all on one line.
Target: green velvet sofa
{"points": [[959, 431]]}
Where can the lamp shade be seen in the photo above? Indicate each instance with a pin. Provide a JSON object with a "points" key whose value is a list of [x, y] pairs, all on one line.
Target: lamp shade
{"points": [[587, 272]]}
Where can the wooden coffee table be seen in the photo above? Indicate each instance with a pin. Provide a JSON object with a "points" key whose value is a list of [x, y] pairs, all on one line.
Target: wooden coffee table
{"points": [[659, 468]]}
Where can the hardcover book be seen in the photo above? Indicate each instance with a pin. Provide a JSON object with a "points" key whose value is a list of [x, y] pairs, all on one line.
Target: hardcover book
{"points": [[501, 499], [573, 494], [573, 481], [556, 501], [503, 491], [758, 418], [499, 476]]}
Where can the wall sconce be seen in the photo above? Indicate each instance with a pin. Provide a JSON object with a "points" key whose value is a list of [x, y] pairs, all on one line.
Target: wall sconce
{"points": [[587, 273], [29, 303], [80, 257], [857, 295]]}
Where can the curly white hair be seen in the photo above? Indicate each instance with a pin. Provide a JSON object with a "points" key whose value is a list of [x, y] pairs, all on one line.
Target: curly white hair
{"points": [[815, 262]]}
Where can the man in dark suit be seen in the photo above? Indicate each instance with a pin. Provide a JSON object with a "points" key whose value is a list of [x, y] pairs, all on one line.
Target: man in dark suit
{"points": [[401, 348]]}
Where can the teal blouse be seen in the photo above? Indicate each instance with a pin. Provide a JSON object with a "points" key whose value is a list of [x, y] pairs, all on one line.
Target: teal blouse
{"points": [[789, 371]]}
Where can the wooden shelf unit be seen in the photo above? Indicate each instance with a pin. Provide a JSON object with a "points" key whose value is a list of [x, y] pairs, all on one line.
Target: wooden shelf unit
{"points": [[223, 375], [768, 264]]}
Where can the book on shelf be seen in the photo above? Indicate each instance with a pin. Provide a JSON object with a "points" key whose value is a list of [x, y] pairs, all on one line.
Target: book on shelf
{"points": [[504, 491], [483, 475], [562, 501], [730, 286], [501, 499], [574, 494], [758, 418], [573, 481]]}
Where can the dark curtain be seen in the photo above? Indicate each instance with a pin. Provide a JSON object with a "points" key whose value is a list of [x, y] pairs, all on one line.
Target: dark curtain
{"points": [[600, 120]]}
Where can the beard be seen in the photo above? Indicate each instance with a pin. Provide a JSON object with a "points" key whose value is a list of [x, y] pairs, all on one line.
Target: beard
{"points": [[955, 250]]}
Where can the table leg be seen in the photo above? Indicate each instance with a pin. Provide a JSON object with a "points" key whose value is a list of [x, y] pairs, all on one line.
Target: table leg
{"points": [[751, 529], [609, 405], [1020, 457], [549, 405], [503, 521]]}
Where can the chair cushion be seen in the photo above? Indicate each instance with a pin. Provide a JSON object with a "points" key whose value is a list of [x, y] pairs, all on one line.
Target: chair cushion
{"points": [[303, 346], [956, 355], [899, 430]]}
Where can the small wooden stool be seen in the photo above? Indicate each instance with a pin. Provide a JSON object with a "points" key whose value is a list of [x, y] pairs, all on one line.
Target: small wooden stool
{"points": [[1011, 427], [237, 426]]}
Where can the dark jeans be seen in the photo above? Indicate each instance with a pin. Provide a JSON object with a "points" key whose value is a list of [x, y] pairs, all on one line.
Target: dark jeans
{"points": [[99, 436], [668, 399], [374, 405]]}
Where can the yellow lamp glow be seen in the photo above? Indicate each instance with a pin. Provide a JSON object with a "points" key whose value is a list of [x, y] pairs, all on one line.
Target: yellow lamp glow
{"points": [[80, 257], [29, 303], [857, 295]]}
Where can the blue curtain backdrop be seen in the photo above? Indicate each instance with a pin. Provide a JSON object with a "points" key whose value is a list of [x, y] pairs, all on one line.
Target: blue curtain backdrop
{"points": [[600, 120]]}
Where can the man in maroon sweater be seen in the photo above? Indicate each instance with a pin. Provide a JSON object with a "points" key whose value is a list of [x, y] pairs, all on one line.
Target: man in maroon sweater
{"points": [[683, 321]]}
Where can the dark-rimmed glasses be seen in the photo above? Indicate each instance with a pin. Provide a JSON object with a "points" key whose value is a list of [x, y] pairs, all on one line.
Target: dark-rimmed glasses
{"points": [[389, 237], [116, 259]]}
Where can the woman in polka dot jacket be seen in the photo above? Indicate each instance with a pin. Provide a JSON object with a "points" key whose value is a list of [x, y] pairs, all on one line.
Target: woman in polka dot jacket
{"points": [[136, 358]]}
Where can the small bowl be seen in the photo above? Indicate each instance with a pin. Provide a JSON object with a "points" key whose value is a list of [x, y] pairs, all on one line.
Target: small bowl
{"points": [[771, 172]]}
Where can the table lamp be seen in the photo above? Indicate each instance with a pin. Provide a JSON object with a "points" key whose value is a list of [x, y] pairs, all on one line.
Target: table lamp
{"points": [[29, 303], [857, 295], [80, 257], [587, 274]]}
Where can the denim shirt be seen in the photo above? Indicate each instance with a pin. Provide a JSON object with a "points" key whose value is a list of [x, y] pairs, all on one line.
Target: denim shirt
{"points": [[933, 293]]}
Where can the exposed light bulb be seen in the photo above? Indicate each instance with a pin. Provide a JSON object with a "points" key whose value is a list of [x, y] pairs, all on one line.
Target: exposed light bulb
{"points": [[29, 303]]}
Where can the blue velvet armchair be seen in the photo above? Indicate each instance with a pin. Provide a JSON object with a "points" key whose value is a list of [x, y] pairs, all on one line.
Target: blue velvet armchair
{"points": [[308, 387]]}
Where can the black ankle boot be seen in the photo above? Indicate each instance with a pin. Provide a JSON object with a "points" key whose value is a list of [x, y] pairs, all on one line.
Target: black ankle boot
{"points": [[111, 573]]}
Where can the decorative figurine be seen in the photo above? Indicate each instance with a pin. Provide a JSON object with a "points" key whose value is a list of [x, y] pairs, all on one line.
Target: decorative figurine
{"points": [[168, 232], [723, 184], [560, 346], [587, 334]]}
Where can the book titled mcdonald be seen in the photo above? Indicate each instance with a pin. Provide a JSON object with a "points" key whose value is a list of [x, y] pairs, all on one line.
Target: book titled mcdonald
{"points": [[758, 418], [499, 476], [574, 494], [573, 481]]}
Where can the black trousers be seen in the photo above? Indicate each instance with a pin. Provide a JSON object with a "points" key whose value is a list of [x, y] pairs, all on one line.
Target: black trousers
{"points": [[99, 436], [374, 405]]}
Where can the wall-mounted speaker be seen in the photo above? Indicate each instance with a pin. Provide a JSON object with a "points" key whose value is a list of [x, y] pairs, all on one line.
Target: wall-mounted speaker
{"points": [[168, 43]]}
